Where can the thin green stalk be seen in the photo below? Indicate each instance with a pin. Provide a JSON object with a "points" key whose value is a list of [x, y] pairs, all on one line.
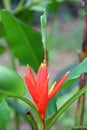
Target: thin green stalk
{"points": [[40, 123], [31, 120], [16, 117], [80, 112], [7, 5], [17, 122]]}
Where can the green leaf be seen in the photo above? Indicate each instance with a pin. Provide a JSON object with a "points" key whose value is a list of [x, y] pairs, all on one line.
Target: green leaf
{"points": [[43, 27], [4, 115], [75, 73], [11, 83], [62, 109], [26, 16], [23, 41], [51, 107], [18, 106], [63, 98]]}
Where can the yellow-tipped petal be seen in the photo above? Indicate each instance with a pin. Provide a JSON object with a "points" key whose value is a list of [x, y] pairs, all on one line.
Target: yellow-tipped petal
{"points": [[52, 87], [58, 85], [27, 65], [68, 72]]}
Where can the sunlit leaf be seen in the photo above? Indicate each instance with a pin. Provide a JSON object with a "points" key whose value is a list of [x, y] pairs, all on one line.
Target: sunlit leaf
{"points": [[23, 41]]}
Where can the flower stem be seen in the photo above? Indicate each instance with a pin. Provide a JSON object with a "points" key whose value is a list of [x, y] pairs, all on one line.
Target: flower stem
{"points": [[17, 127], [40, 123], [16, 116], [80, 110], [31, 120]]}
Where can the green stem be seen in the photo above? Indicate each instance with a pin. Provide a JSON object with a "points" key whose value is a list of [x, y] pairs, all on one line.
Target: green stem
{"points": [[40, 123], [31, 120], [17, 122], [7, 5], [53, 119], [80, 110], [16, 118]]}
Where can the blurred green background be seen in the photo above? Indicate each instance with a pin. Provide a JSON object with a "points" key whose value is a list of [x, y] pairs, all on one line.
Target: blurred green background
{"points": [[20, 44]]}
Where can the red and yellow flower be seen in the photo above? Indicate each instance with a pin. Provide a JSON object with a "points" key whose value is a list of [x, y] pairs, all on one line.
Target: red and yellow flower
{"points": [[38, 87]]}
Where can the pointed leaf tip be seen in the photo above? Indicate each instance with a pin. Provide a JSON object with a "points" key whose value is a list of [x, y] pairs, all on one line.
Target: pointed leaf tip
{"points": [[43, 27]]}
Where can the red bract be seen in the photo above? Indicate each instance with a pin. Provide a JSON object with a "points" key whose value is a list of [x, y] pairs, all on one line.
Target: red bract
{"points": [[38, 87]]}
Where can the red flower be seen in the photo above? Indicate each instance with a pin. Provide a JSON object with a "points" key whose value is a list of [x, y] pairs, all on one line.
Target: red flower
{"points": [[38, 87]]}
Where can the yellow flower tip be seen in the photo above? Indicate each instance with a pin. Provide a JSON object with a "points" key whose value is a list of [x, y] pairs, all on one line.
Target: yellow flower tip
{"points": [[67, 72], [52, 87], [27, 65], [43, 64]]}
